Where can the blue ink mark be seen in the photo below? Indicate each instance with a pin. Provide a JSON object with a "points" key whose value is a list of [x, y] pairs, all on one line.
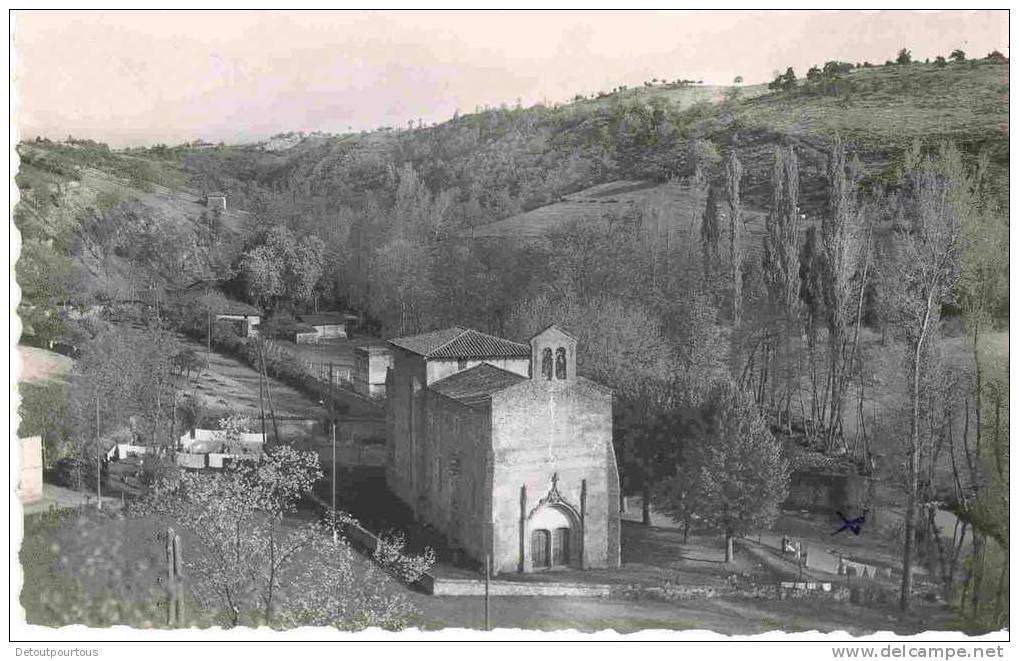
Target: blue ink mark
{"points": [[853, 525]]}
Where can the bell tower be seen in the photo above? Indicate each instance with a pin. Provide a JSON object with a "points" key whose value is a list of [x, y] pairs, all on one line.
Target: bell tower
{"points": [[553, 355]]}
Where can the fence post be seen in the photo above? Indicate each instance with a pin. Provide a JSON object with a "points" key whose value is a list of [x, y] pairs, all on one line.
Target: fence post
{"points": [[174, 572]]}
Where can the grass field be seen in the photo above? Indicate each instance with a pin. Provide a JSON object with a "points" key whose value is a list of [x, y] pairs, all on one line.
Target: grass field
{"points": [[889, 106]]}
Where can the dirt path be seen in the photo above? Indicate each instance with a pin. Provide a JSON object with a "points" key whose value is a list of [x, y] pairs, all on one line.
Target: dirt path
{"points": [[750, 616]]}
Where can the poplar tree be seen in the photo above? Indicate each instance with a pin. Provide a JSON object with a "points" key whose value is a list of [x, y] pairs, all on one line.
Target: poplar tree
{"points": [[733, 179], [920, 278], [839, 247]]}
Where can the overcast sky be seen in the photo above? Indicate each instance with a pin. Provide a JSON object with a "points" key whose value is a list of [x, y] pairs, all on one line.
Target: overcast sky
{"points": [[131, 78]]}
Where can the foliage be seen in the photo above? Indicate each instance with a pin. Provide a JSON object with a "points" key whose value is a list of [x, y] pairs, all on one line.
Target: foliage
{"points": [[621, 344], [42, 411], [348, 593], [281, 266], [391, 555], [731, 472], [128, 374], [785, 82], [79, 567]]}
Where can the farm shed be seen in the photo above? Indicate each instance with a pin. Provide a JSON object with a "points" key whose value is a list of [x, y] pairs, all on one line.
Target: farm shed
{"points": [[327, 325]]}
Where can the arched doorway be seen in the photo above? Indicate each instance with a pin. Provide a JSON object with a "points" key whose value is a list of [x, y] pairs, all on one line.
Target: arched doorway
{"points": [[552, 544]]}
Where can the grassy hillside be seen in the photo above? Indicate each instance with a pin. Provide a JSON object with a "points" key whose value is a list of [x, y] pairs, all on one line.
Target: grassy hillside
{"points": [[509, 160], [100, 224], [97, 220]]}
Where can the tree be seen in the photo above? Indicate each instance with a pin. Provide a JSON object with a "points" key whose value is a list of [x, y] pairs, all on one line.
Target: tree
{"points": [[243, 552], [130, 373], [996, 56], [733, 181], [839, 252], [924, 269], [958, 55], [236, 516], [737, 80], [732, 473], [940, 61], [904, 57], [711, 232], [780, 265], [403, 286], [282, 267], [981, 288]]}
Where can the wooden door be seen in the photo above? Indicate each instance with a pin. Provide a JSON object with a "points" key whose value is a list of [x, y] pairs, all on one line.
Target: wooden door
{"points": [[540, 551], [561, 547]]}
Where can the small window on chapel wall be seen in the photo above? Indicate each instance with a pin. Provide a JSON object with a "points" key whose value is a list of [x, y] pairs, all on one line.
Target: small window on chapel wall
{"points": [[560, 363], [461, 364], [546, 364]]}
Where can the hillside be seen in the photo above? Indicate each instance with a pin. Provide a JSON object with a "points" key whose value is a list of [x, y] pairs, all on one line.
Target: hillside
{"points": [[510, 160], [97, 221]]}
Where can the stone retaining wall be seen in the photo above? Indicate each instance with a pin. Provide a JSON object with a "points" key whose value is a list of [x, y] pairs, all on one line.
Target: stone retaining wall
{"points": [[471, 587]]}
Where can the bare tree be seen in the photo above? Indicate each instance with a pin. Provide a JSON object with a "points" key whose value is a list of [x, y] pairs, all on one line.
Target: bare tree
{"points": [[925, 265]]}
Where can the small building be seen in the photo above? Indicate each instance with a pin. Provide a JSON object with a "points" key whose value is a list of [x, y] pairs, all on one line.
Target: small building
{"points": [[245, 317], [504, 449], [370, 367], [30, 477], [301, 333], [206, 441], [327, 325], [215, 201], [205, 293]]}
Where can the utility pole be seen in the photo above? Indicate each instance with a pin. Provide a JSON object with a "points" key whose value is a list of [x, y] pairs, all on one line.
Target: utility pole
{"points": [[174, 576], [99, 460], [488, 576], [332, 431], [208, 347], [261, 405], [268, 391]]}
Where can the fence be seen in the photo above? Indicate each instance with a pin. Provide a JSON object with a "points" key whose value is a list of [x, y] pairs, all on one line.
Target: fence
{"points": [[342, 375], [197, 440]]}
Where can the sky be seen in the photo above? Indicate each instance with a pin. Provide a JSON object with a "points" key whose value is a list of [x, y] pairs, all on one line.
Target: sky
{"points": [[147, 77]]}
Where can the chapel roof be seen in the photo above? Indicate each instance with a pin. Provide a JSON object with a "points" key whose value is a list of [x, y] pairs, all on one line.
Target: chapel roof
{"points": [[476, 385], [457, 342]]}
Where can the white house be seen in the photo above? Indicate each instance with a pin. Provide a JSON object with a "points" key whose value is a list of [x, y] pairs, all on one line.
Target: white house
{"points": [[327, 325], [370, 367]]}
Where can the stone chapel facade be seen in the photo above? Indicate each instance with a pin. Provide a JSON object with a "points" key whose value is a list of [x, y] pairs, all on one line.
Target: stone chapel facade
{"points": [[504, 448]]}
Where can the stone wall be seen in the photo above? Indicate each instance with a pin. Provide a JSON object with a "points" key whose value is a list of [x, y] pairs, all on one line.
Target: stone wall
{"points": [[440, 369], [455, 484], [474, 587], [404, 410], [551, 443]]}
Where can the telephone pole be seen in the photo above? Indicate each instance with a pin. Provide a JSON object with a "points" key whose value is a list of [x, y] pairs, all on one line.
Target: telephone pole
{"points": [[208, 339], [488, 577], [332, 432], [99, 460], [174, 576]]}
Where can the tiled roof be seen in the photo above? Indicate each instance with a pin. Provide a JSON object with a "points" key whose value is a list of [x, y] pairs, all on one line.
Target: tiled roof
{"points": [[459, 342], [476, 385]]}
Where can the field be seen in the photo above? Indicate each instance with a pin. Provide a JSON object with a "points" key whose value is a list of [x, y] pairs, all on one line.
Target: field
{"points": [[231, 385], [888, 107], [64, 558]]}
